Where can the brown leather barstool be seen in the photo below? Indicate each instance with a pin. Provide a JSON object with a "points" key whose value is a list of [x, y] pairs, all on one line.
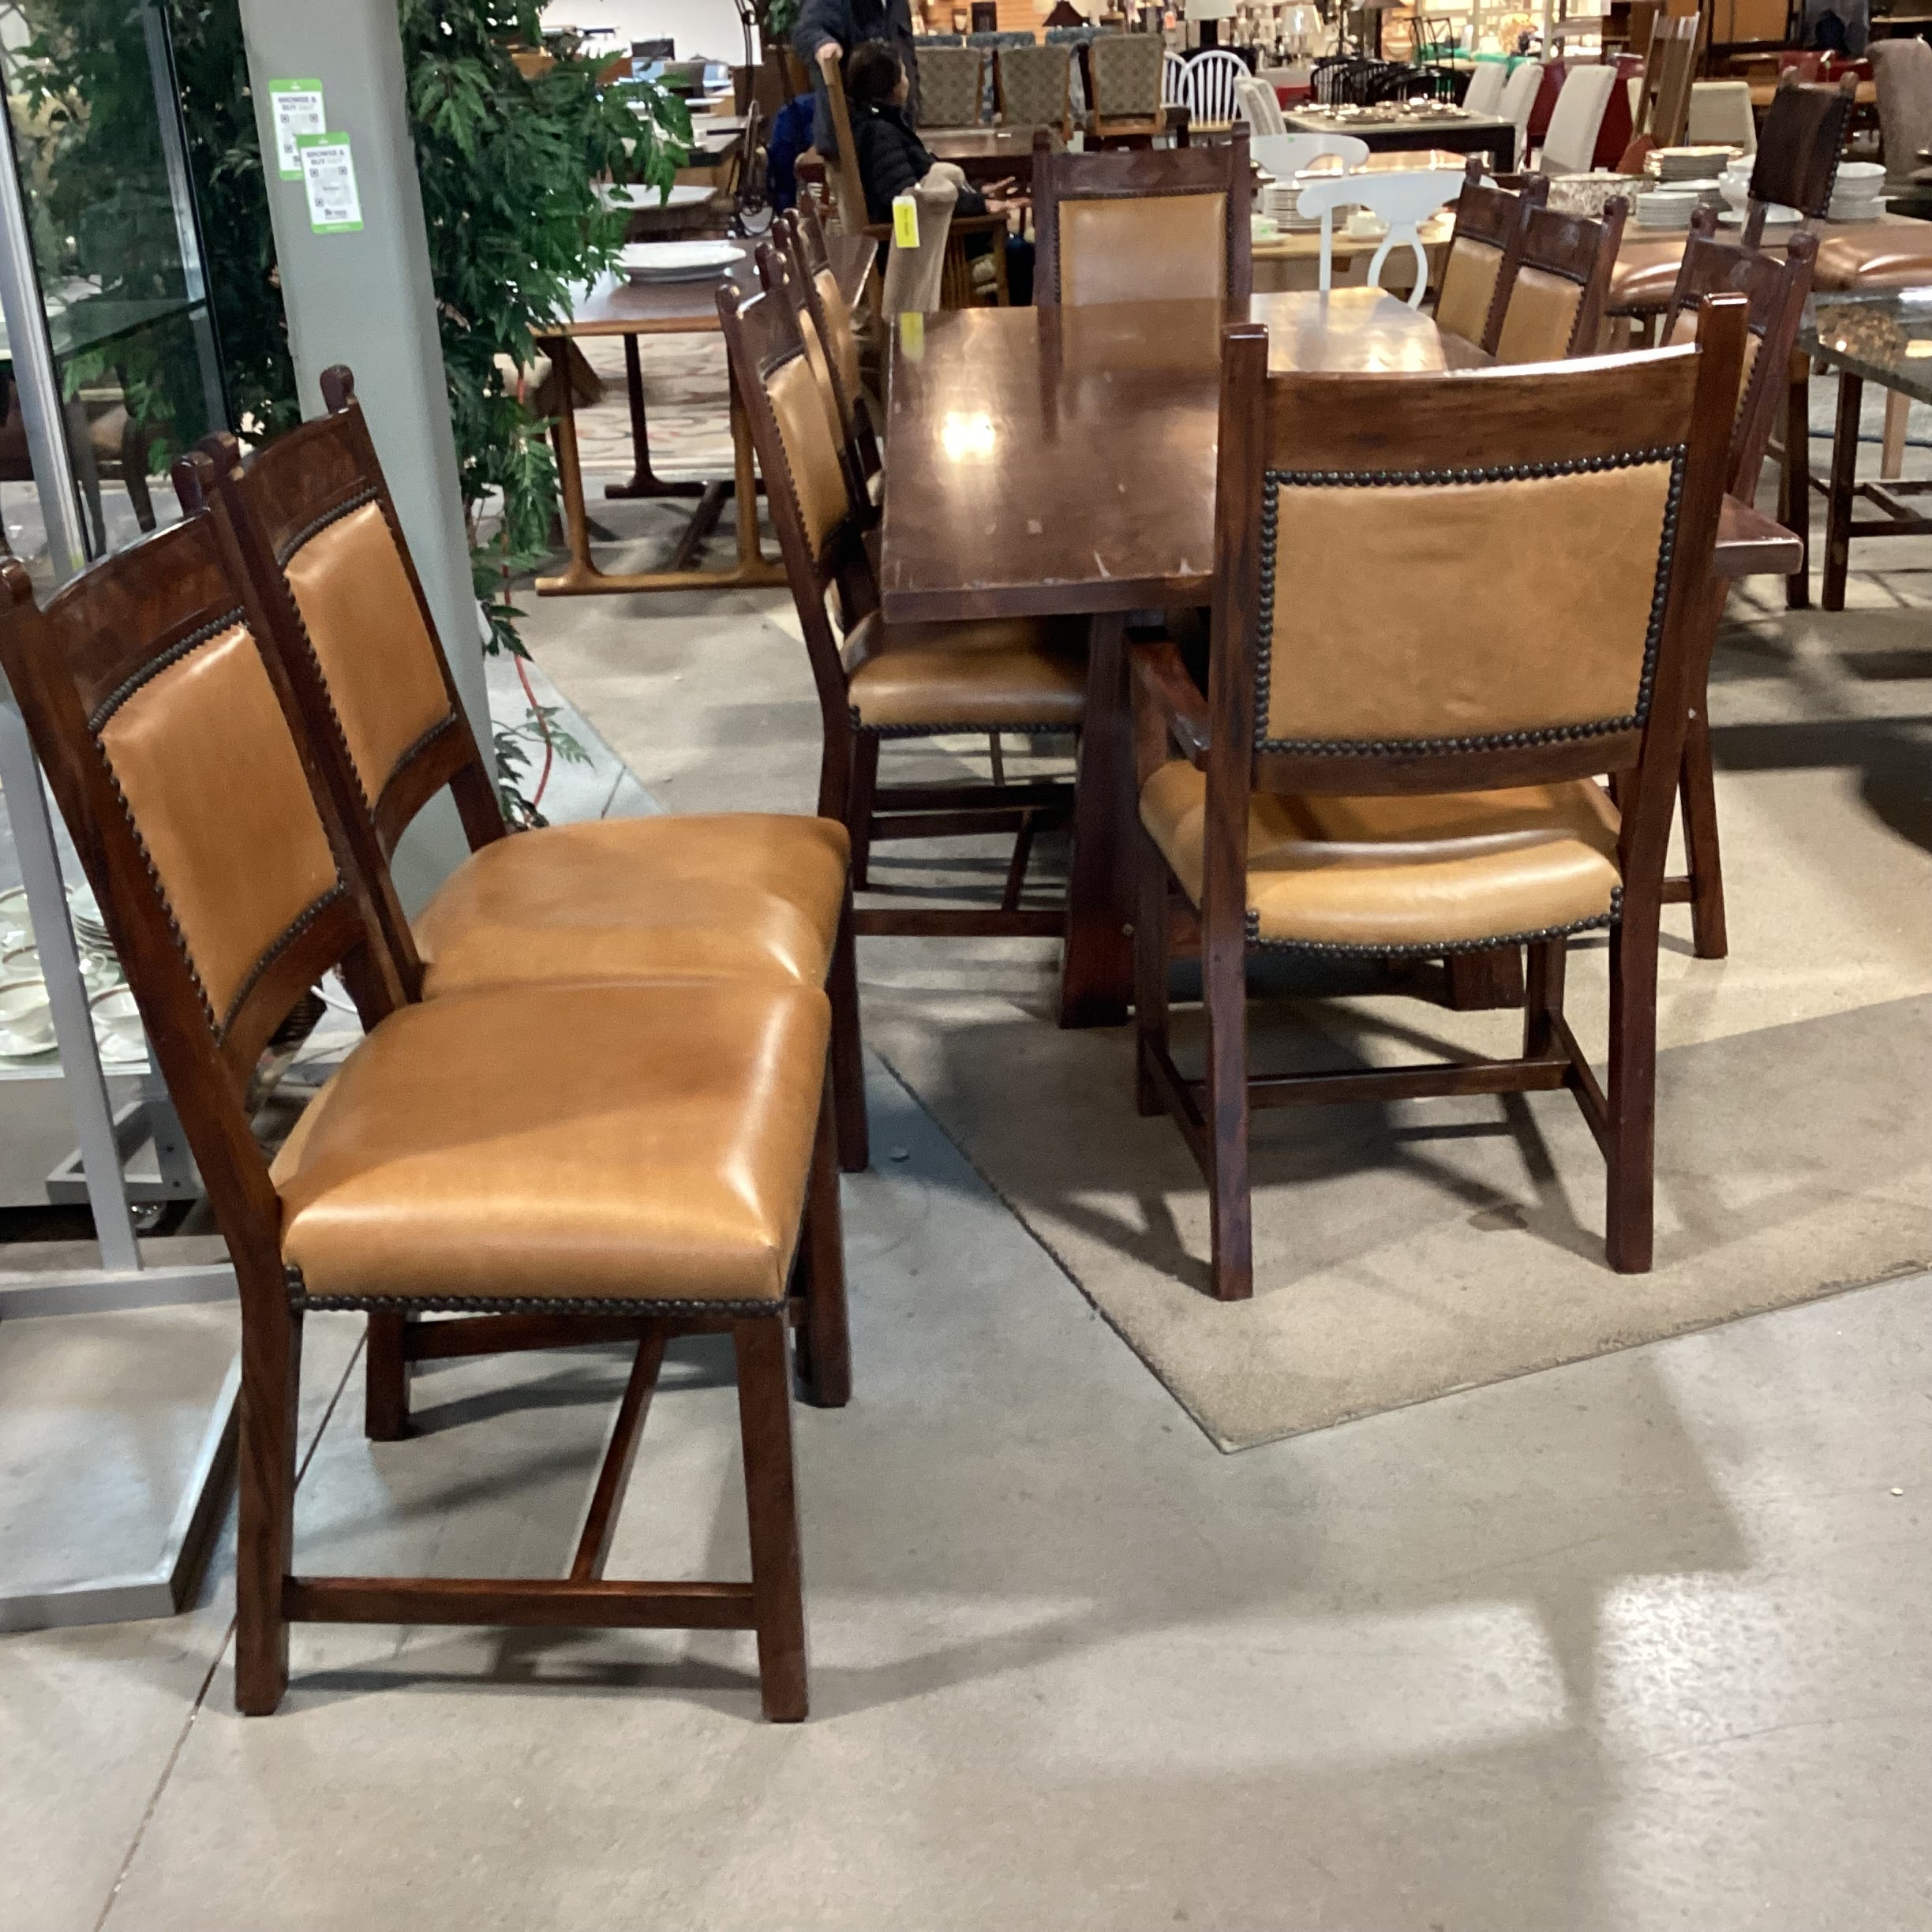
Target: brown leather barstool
{"points": [[547, 1165]]}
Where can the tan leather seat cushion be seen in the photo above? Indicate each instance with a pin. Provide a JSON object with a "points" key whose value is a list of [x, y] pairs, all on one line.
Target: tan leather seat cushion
{"points": [[632, 1143], [1644, 276], [725, 895], [1881, 258], [1005, 671], [1406, 871]]}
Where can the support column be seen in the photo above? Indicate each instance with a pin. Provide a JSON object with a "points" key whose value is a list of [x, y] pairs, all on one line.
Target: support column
{"points": [[364, 297]]}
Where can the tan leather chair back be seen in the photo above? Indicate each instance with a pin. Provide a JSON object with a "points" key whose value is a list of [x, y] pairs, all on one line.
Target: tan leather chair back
{"points": [[1556, 301], [384, 675], [1160, 225], [1484, 252]]}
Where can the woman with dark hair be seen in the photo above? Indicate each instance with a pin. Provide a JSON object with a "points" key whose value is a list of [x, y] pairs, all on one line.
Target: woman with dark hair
{"points": [[893, 159]]}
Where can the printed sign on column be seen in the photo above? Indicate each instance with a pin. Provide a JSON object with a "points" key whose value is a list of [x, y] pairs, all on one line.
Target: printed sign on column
{"points": [[328, 173], [296, 109]]}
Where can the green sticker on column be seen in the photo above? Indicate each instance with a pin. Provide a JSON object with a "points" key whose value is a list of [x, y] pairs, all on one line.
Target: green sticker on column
{"points": [[295, 107], [328, 175]]}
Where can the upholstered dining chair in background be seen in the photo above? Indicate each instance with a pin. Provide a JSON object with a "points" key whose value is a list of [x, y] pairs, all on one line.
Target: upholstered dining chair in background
{"points": [[1555, 303], [952, 81], [1127, 71], [1485, 87], [1569, 143], [553, 1164], [1485, 249], [1260, 107], [756, 896], [1033, 87], [1799, 148], [1162, 225], [1775, 288], [1403, 201], [894, 680], [1518, 102], [1400, 768]]}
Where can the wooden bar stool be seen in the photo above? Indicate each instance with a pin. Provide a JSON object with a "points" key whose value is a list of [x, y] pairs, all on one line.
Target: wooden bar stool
{"points": [[620, 1160]]}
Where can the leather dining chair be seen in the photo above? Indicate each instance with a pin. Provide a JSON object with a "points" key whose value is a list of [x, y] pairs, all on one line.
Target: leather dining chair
{"points": [[1485, 248], [1397, 769], [722, 895], [1775, 290], [897, 681], [1555, 302], [1161, 224], [548, 1164]]}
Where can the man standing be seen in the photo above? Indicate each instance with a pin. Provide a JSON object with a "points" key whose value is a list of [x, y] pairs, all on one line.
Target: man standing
{"points": [[843, 24]]}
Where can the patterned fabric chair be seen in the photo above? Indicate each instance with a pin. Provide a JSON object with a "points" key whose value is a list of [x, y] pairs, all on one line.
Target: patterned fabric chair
{"points": [[1033, 87], [991, 43], [952, 79], [1127, 70]]}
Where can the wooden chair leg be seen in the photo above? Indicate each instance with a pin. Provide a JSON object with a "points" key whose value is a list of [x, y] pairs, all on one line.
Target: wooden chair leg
{"points": [[1224, 975], [1482, 981], [1892, 443], [1543, 997], [854, 1132], [1795, 484], [859, 805], [385, 1397], [825, 1341], [1630, 1207], [1698, 796], [1151, 1010], [265, 1536], [771, 1510]]}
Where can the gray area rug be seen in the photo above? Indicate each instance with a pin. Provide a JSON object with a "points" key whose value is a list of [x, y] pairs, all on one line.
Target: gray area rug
{"points": [[1403, 1253]]}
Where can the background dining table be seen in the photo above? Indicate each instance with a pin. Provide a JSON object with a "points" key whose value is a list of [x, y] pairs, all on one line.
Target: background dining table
{"points": [[1056, 462]]}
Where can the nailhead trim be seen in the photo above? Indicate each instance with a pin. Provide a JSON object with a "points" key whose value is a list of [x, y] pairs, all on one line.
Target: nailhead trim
{"points": [[368, 493], [1328, 949], [228, 621], [302, 1303], [275, 948], [1273, 480]]}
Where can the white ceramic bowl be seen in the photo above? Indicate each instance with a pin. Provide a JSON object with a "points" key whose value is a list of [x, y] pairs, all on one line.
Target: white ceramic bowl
{"points": [[1868, 171]]}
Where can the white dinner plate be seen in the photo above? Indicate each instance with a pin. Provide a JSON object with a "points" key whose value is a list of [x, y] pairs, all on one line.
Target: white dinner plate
{"points": [[677, 261]]}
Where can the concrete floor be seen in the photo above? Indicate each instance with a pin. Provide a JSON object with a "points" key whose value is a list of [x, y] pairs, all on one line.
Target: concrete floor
{"points": [[1633, 1644]]}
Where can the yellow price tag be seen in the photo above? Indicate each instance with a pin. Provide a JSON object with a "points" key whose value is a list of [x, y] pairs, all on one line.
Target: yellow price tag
{"points": [[905, 221], [912, 335]]}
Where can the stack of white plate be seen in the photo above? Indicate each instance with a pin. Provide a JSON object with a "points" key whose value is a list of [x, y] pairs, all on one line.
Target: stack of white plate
{"points": [[678, 261], [1668, 208], [1687, 164], [1858, 192]]}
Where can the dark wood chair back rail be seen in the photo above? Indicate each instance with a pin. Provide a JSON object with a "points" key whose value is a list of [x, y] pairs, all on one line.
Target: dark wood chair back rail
{"points": [[173, 745], [1143, 225], [318, 531], [1776, 289], [801, 238], [1798, 146], [1485, 249], [1555, 303]]}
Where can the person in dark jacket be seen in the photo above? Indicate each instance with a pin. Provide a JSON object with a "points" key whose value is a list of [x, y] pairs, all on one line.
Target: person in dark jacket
{"points": [[844, 24], [893, 159]]}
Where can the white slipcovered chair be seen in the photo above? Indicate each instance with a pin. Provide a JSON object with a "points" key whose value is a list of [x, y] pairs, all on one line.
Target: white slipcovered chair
{"points": [[1721, 115], [1255, 100], [1404, 200], [1571, 143], [1519, 93], [1485, 87]]}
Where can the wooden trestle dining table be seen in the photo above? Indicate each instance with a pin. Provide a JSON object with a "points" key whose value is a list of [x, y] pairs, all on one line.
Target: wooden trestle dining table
{"points": [[629, 309], [1061, 462]]}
